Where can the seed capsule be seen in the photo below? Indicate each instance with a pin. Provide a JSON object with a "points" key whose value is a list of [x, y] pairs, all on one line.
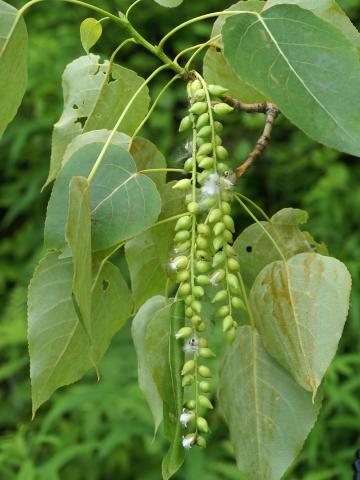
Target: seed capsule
{"points": [[218, 259], [205, 402], [209, 202], [202, 177], [202, 424], [200, 441], [188, 300], [188, 165], [222, 167], [218, 242], [183, 184], [218, 127], [183, 223], [182, 276], [188, 198], [228, 221], [205, 131], [207, 353], [180, 262], [189, 312], [221, 152], [223, 311], [203, 229], [233, 264], [237, 303], [183, 247], [182, 236], [217, 90], [203, 342], [184, 289], [202, 266], [193, 207], [202, 242], [196, 306], [230, 335], [195, 320], [201, 327], [185, 124], [202, 254], [205, 387], [205, 371], [217, 277], [184, 332], [191, 404], [228, 236], [200, 141], [227, 323], [219, 228], [220, 297], [226, 196], [205, 149], [226, 208], [222, 109], [203, 120], [233, 283], [188, 367], [215, 215], [187, 381], [230, 251], [199, 292], [198, 108], [218, 140], [195, 86], [200, 94], [206, 163], [203, 280]]}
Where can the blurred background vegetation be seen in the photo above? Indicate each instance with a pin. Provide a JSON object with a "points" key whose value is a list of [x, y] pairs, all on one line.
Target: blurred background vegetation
{"points": [[103, 431]]}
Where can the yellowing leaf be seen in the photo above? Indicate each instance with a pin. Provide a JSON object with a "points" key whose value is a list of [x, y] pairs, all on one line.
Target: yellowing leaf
{"points": [[90, 33]]}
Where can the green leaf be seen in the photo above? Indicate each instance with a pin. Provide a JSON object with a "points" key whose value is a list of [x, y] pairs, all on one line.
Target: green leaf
{"points": [[123, 203], [217, 69], [94, 98], [78, 235], [256, 250], [13, 62], [60, 351], [268, 414], [148, 254], [328, 10], [173, 395], [169, 3], [90, 33], [150, 332], [300, 308], [303, 64]]}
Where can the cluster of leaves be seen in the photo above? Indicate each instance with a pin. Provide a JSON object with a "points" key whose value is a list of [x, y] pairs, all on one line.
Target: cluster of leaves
{"points": [[81, 315]]}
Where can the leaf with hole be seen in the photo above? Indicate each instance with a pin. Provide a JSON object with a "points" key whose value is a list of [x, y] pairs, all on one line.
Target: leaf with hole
{"points": [[90, 33], [60, 350], [13, 62], [300, 308], [123, 202], [304, 65], [95, 95], [269, 415]]}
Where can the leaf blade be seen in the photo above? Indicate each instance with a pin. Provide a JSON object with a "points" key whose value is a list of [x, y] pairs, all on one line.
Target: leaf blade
{"points": [[90, 33]]}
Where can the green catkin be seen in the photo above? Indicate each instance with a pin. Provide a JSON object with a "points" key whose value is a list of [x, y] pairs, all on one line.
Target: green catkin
{"points": [[204, 254]]}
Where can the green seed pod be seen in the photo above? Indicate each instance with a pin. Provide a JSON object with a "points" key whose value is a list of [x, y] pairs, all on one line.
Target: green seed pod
{"points": [[203, 280], [203, 229], [188, 367], [202, 242], [205, 387], [182, 236], [233, 283], [183, 184], [222, 109], [218, 259], [207, 353], [184, 332], [222, 167], [230, 251], [201, 327], [202, 424], [202, 177], [195, 320], [182, 276], [227, 323], [221, 152], [204, 371], [203, 120], [226, 196], [202, 266], [200, 95], [236, 302], [200, 441], [223, 311], [189, 312], [203, 342], [188, 165], [188, 300], [193, 207], [184, 289], [188, 198], [185, 124], [220, 297], [196, 306], [230, 335], [218, 276], [183, 223], [200, 141], [209, 202], [202, 254], [199, 291], [233, 264], [219, 228], [217, 90], [218, 140], [228, 221], [195, 86], [205, 402], [183, 247], [226, 208], [228, 236], [190, 405], [205, 149], [218, 242], [218, 127], [187, 381], [198, 108], [215, 215], [180, 262], [206, 163], [205, 131]]}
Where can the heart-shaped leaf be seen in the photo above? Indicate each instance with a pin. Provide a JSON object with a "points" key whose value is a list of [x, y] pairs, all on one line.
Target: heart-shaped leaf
{"points": [[90, 33], [300, 308]]}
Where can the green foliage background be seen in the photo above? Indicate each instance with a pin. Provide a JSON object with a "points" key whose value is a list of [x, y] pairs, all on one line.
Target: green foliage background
{"points": [[103, 431]]}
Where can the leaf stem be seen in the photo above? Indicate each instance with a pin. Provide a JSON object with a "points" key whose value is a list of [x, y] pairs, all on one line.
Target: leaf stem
{"points": [[131, 7], [255, 205], [151, 170], [199, 49]]}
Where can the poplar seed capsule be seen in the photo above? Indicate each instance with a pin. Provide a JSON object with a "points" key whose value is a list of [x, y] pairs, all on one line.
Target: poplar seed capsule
{"points": [[222, 167], [188, 165], [207, 353], [188, 367], [182, 276], [218, 140], [202, 254], [220, 297], [202, 177], [203, 120], [226, 208], [228, 236], [188, 300], [218, 127], [206, 163], [202, 424], [183, 184], [226, 196], [193, 207], [199, 291], [202, 242], [203, 280], [184, 332], [217, 90], [205, 131], [201, 327], [223, 311], [191, 404], [184, 289], [196, 306], [204, 371], [205, 402], [229, 222], [237, 303], [215, 215], [187, 381], [205, 387], [230, 335], [183, 247], [227, 323], [233, 283], [203, 229], [209, 202], [200, 141], [222, 109], [221, 152], [219, 228], [189, 312], [202, 266], [198, 108], [195, 86], [200, 441], [203, 342], [218, 259], [230, 251], [195, 320], [233, 264], [188, 198], [180, 262], [217, 277], [183, 223], [200, 95], [205, 149], [218, 242], [185, 124], [182, 236]]}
